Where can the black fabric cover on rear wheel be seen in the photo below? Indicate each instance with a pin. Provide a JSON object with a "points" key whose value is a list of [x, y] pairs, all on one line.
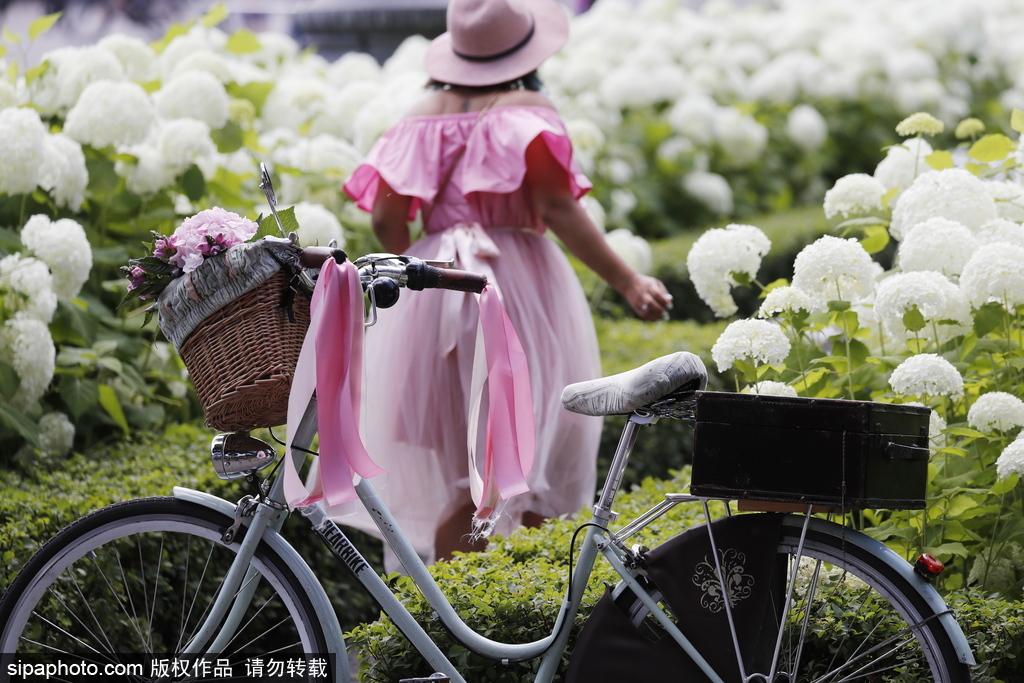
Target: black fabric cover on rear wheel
{"points": [[611, 648]]}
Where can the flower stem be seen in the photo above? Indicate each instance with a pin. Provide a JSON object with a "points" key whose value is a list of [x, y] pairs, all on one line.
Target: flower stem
{"points": [[21, 211]]}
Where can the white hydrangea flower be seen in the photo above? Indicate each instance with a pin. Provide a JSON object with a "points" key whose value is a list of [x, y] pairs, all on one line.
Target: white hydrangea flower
{"points": [[27, 287], [183, 142], [338, 115], [1009, 198], [1011, 460], [756, 341], [770, 388], [595, 211], [8, 95], [63, 246], [785, 300], [586, 136], [994, 273], [673, 148], [1001, 230], [932, 294], [88, 65], [206, 61], [63, 172], [353, 67], [903, 163], [26, 343], [45, 92], [136, 57], [719, 253], [110, 113], [806, 127], [317, 225], [937, 244], [740, 136], [952, 193], [194, 95], [149, 173], [275, 49], [711, 190], [24, 139], [927, 374], [56, 434], [632, 249], [833, 268], [694, 117], [294, 102], [856, 194], [996, 411]]}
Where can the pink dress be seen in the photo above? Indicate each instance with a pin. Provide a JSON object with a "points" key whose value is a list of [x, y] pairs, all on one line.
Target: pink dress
{"points": [[419, 356]]}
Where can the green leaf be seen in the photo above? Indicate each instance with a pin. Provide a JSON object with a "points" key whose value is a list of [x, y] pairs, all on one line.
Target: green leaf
{"points": [[41, 25], [838, 305], [965, 432], [11, 37], [103, 179], [940, 159], [243, 41], [991, 147], [256, 92], [19, 422], [890, 195], [79, 394], [214, 15], [8, 381], [268, 226], [876, 238], [229, 138], [988, 317], [947, 549], [193, 184], [3, 50], [108, 399], [173, 32], [740, 278], [1005, 485], [1017, 120], [35, 72], [913, 320]]}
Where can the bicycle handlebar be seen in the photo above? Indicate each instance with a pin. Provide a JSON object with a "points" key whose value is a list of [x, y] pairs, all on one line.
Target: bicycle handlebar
{"points": [[409, 272]]}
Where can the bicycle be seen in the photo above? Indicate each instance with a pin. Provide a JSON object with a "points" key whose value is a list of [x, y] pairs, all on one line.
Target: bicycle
{"points": [[94, 590]]}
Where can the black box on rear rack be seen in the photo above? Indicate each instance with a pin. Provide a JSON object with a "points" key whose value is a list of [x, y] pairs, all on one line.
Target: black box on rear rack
{"points": [[826, 452]]}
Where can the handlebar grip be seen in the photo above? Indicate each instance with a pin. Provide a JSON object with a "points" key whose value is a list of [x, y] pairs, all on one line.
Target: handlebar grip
{"points": [[314, 257], [419, 275]]}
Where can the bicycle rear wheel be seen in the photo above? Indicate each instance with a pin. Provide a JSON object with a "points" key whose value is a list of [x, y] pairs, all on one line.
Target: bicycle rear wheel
{"points": [[852, 617], [139, 577]]}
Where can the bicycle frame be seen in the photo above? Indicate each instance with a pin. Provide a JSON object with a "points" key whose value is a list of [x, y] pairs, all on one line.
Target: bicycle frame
{"points": [[231, 603]]}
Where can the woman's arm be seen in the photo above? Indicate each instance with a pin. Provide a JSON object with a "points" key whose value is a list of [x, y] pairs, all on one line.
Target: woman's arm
{"points": [[554, 202], [390, 219]]}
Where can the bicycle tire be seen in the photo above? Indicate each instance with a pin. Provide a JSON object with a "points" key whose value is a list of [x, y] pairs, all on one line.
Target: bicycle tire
{"points": [[157, 514], [619, 644]]}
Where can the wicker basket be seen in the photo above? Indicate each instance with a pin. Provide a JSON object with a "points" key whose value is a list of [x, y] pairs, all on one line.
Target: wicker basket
{"points": [[242, 358]]}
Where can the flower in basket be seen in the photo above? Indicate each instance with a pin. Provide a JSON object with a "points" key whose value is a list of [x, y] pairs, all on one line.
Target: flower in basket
{"points": [[205, 234]]}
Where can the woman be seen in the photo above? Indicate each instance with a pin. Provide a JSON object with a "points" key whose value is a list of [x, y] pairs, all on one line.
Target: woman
{"points": [[487, 163]]}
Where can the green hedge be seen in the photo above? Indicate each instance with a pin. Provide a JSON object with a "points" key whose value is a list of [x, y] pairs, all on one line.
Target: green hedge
{"points": [[34, 507], [513, 591]]}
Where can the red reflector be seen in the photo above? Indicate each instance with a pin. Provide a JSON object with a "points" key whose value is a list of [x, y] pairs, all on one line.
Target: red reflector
{"points": [[928, 566]]}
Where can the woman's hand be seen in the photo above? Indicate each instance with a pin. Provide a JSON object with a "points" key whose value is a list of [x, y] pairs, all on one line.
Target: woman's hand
{"points": [[647, 296]]}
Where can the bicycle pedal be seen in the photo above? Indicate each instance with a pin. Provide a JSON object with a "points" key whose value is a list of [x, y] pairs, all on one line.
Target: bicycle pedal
{"points": [[432, 678]]}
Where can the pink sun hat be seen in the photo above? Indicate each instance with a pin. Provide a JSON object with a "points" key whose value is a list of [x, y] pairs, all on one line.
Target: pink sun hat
{"points": [[494, 41]]}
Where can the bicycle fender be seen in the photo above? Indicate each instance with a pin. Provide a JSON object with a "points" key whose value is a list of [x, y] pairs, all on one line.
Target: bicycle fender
{"points": [[902, 567], [313, 588]]}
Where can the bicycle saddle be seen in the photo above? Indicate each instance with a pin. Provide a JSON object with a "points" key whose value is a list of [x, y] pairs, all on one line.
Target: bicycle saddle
{"points": [[628, 391]]}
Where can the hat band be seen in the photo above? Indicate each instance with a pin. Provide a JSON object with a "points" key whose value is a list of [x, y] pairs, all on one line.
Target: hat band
{"points": [[503, 53]]}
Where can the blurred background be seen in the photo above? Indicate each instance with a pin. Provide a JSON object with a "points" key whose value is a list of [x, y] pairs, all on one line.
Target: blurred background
{"points": [[332, 26]]}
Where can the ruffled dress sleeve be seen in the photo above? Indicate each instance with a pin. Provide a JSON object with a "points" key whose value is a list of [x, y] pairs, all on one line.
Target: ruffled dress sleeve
{"points": [[495, 159], [409, 158], [412, 156]]}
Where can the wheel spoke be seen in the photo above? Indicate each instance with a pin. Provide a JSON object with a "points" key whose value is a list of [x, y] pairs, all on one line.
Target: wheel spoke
{"points": [[195, 595], [74, 615], [72, 636], [156, 587], [145, 588], [260, 636], [96, 621], [184, 593], [242, 628]]}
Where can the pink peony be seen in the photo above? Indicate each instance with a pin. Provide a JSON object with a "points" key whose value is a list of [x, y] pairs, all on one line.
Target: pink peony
{"points": [[207, 233]]}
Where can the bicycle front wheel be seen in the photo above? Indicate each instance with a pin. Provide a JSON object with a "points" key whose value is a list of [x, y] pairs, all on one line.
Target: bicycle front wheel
{"points": [[140, 577], [850, 616]]}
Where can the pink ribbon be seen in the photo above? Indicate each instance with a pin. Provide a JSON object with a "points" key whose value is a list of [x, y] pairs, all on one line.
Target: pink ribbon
{"points": [[331, 362], [510, 439]]}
